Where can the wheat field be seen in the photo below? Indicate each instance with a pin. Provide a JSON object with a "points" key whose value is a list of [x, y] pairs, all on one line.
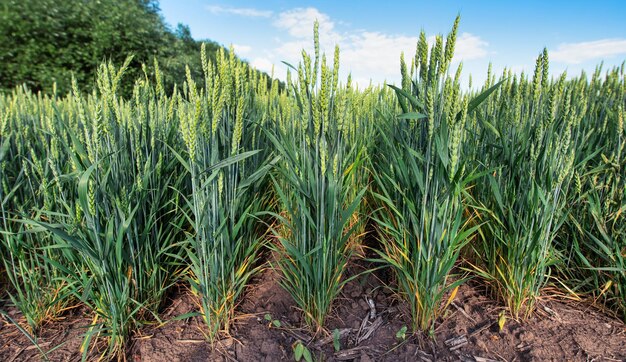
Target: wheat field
{"points": [[109, 201]]}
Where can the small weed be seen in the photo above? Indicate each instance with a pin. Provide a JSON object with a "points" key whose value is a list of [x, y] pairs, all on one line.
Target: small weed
{"points": [[273, 322], [401, 333], [300, 351]]}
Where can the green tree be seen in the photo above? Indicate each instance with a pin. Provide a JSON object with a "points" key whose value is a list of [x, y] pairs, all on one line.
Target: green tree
{"points": [[43, 42], [46, 41]]}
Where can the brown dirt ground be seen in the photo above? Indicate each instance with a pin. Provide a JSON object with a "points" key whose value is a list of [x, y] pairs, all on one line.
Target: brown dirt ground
{"points": [[558, 331]]}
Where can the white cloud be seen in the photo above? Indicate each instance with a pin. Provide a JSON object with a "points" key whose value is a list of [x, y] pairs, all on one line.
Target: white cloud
{"points": [[376, 54], [576, 53], [247, 12], [262, 64], [242, 49], [299, 22], [469, 47]]}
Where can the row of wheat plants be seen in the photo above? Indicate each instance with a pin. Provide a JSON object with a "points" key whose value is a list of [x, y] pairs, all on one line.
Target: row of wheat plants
{"points": [[226, 158], [523, 138], [316, 185], [593, 243], [551, 199], [28, 184], [116, 215], [422, 179], [89, 214]]}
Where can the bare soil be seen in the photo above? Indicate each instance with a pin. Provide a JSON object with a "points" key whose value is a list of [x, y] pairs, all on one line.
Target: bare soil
{"points": [[367, 316]]}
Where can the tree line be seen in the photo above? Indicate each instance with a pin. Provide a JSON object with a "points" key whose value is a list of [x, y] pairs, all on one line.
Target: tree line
{"points": [[47, 42]]}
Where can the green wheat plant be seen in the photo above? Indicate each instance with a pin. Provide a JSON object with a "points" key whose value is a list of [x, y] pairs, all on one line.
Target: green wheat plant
{"points": [[226, 188], [118, 219], [30, 182], [594, 239], [525, 143], [314, 185], [421, 183]]}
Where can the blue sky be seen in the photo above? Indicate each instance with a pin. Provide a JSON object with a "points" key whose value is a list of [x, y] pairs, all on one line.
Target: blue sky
{"points": [[372, 34]]}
